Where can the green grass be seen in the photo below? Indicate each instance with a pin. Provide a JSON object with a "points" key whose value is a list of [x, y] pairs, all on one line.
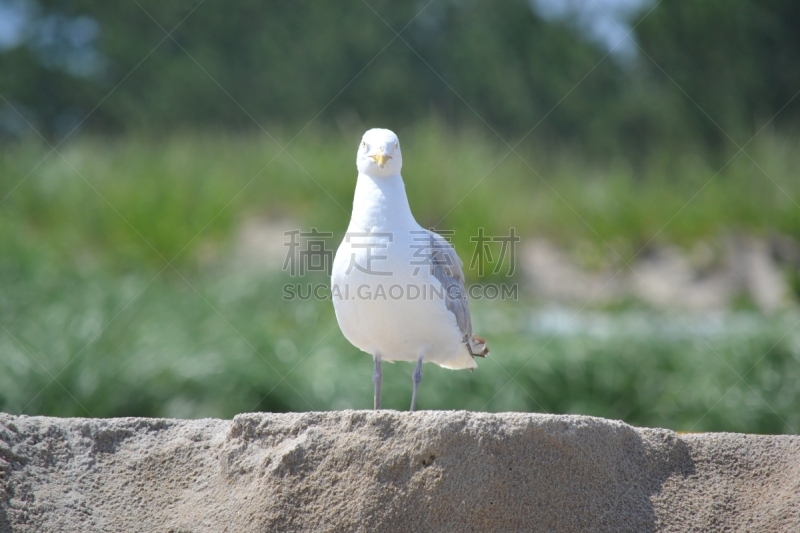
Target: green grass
{"points": [[223, 349], [134, 202], [85, 296]]}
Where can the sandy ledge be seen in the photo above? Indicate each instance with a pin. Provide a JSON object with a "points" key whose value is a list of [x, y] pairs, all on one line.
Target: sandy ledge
{"points": [[389, 471]]}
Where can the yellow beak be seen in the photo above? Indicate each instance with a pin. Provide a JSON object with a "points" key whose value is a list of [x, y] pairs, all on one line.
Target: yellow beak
{"points": [[380, 158]]}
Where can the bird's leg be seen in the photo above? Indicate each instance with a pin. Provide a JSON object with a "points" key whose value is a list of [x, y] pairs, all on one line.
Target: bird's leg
{"points": [[377, 378], [416, 377]]}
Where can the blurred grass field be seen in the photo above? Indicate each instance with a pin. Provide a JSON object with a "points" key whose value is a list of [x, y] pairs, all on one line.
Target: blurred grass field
{"points": [[94, 322]]}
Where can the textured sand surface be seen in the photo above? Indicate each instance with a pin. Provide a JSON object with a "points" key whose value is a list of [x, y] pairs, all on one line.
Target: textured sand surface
{"points": [[390, 471]]}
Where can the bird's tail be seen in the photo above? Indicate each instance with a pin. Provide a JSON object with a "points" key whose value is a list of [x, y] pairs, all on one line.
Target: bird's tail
{"points": [[477, 346]]}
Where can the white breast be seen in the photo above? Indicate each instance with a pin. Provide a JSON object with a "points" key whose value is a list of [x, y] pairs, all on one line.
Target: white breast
{"points": [[397, 308]]}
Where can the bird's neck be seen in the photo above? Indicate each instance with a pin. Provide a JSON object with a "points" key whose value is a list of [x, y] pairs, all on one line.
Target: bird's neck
{"points": [[380, 204]]}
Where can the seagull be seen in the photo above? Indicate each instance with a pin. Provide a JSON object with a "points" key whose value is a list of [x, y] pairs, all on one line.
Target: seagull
{"points": [[398, 288]]}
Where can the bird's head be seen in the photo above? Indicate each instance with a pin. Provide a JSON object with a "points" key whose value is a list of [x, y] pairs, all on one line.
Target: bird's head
{"points": [[379, 153]]}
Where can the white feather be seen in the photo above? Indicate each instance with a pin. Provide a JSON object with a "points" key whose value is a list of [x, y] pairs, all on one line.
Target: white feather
{"points": [[399, 310]]}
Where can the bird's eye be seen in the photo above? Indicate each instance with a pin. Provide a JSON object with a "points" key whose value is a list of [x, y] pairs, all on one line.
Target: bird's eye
{"points": [[397, 145], [363, 143]]}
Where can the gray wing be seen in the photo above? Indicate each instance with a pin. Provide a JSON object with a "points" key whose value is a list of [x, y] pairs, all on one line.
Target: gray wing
{"points": [[446, 267]]}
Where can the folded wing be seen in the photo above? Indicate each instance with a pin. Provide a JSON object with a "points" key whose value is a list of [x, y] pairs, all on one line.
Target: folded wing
{"points": [[447, 269]]}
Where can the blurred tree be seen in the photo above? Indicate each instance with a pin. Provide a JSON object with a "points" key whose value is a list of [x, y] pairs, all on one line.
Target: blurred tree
{"points": [[249, 63], [737, 59]]}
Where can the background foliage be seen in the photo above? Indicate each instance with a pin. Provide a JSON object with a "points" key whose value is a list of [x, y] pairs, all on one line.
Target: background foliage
{"points": [[286, 60], [123, 290]]}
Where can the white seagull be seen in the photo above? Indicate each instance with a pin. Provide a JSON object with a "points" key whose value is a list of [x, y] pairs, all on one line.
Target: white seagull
{"points": [[397, 288]]}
